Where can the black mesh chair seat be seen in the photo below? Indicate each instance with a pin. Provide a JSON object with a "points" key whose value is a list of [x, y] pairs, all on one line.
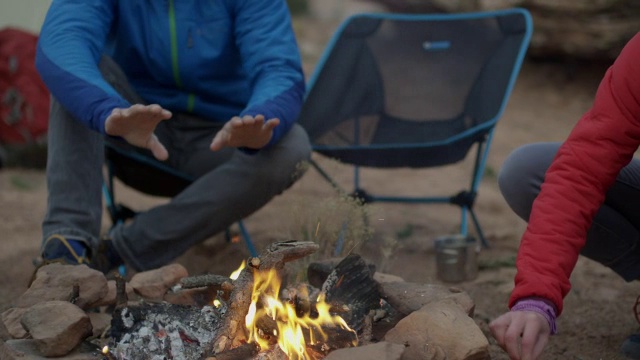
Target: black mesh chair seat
{"points": [[135, 170]]}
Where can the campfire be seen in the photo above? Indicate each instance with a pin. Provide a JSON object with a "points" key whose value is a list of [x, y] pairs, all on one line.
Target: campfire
{"points": [[254, 314]]}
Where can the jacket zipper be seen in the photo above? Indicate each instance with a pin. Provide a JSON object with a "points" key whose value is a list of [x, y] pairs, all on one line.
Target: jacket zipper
{"points": [[191, 100], [174, 44]]}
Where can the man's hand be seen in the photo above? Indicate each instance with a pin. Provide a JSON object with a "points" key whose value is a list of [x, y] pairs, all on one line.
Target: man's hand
{"points": [[248, 131], [136, 125], [522, 334]]}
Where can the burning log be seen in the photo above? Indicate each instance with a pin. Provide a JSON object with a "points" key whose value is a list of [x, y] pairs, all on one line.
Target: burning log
{"points": [[275, 257], [301, 321], [242, 352]]}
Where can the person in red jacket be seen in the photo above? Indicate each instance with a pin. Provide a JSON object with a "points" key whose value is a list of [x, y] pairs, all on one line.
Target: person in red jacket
{"points": [[579, 197]]}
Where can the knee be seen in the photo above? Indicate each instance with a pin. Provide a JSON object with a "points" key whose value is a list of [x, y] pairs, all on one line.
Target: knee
{"points": [[289, 158], [520, 178], [293, 150], [513, 171]]}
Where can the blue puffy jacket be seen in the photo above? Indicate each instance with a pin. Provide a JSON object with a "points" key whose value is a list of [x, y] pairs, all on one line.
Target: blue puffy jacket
{"points": [[213, 58]]}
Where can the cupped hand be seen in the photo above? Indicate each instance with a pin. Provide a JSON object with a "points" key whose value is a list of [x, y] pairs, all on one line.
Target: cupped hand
{"points": [[522, 334], [136, 125], [248, 131]]}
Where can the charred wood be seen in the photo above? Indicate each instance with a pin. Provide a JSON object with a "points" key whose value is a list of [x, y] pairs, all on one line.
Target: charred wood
{"points": [[242, 352], [351, 286], [318, 272], [339, 339]]}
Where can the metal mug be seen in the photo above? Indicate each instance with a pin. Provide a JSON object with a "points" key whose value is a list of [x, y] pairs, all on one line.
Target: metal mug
{"points": [[456, 258]]}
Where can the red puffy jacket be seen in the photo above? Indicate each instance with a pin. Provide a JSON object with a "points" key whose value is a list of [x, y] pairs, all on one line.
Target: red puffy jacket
{"points": [[599, 146]]}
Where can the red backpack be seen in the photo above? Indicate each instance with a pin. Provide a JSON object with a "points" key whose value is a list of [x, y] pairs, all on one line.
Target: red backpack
{"points": [[24, 99]]}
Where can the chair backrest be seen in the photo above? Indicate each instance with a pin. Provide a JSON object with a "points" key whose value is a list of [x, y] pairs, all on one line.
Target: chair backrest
{"points": [[389, 85]]}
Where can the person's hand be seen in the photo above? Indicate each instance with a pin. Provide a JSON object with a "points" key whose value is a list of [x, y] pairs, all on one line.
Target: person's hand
{"points": [[522, 334], [248, 131], [136, 125]]}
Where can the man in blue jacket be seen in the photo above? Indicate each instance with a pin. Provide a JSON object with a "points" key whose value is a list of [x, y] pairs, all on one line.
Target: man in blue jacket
{"points": [[210, 87]]}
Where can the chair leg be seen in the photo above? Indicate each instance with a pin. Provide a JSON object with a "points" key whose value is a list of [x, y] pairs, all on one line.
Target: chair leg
{"points": [[326, 176], [483, 240], [247, 239], [244, 233]]}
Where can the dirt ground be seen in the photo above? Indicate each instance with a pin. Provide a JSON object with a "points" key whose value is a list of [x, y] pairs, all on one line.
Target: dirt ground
{"points": [[547, 100]]}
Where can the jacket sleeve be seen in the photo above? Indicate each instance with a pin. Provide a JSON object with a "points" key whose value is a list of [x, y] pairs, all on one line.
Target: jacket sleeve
{"points": [[600, 145], [69, 49], [271, 58]]}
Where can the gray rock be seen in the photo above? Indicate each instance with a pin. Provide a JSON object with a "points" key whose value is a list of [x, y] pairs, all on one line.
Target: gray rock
{"points": [[57, 327], [154, 284], [439, 331], [56, 282], [407, 297]]}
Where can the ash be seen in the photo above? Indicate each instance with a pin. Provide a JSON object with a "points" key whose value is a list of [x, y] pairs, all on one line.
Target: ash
{"points": [[164, 331]]}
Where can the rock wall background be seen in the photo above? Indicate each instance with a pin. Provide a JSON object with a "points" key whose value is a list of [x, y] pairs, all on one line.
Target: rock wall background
{"points": [[579, 29]]}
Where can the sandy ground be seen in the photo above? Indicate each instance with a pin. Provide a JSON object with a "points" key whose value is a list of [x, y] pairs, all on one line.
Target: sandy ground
{"points": [[546, 102]]}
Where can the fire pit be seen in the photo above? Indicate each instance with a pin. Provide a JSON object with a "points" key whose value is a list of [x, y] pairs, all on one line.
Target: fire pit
{"points": [[250, 315], [254, 314]]}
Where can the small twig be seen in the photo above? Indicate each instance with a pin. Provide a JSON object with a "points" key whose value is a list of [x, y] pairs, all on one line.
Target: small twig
{"points": [[121, 292], [75, 293], [207, 280]]}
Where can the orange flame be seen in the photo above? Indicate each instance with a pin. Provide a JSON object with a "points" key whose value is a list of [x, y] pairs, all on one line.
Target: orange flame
{"points": [[290, 327]]}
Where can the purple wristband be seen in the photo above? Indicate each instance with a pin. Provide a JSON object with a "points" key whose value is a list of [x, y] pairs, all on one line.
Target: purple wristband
{"points": [[542, 307]]}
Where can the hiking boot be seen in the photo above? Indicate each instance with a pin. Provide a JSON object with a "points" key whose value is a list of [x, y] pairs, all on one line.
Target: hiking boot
{"points": [[65, 250], [58, 249], [631, 347]]}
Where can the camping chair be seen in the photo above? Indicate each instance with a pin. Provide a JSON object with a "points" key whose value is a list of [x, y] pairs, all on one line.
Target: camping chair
{"points": [[132, 169], [418, 91]]}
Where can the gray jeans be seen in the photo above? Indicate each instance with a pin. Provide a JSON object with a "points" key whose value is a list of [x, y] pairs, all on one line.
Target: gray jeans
{"points": [[614, 234], [230, 184]]}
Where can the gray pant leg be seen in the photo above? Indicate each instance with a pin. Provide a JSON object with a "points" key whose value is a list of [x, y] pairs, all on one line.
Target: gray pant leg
{"points": [[75, 157], [613, 237], [74, 178], [218, 198]]}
